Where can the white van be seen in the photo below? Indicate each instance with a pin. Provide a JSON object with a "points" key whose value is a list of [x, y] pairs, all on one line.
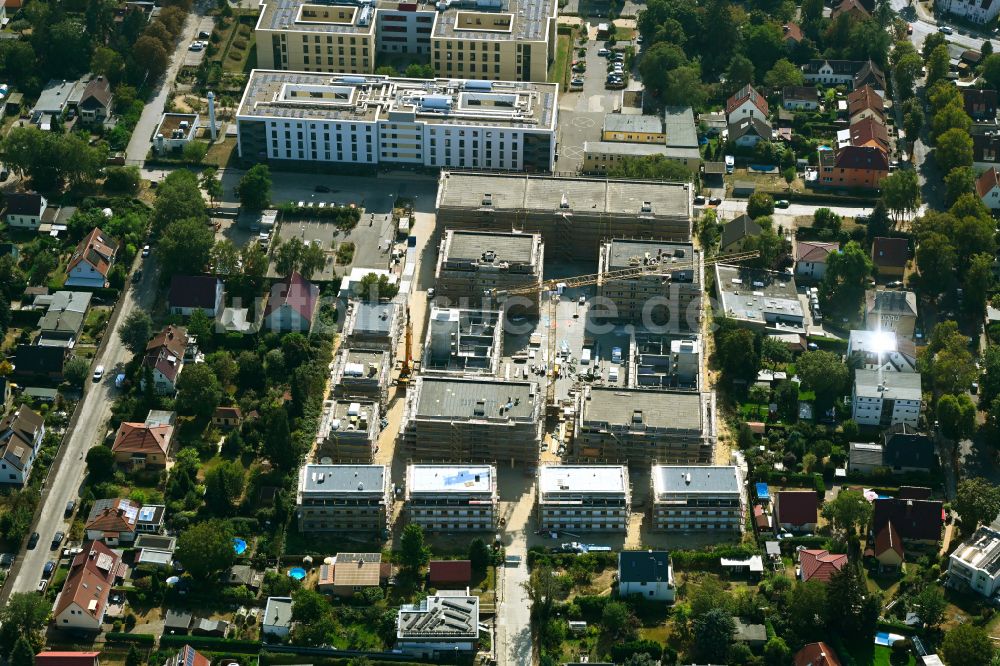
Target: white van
{"points": [[613, 374], [585, 357], [730, 163]]}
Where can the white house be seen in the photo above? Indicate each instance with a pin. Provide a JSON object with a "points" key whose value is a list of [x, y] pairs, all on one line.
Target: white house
{"points": [[886, 398], [976, 11], [976, 563], [810, 258], [21, 435], [277, 617], [648, 573], [91, 261], [83, 602], [25, 211], [165, 358], [988, 186], [748, 132], [746, 103]]}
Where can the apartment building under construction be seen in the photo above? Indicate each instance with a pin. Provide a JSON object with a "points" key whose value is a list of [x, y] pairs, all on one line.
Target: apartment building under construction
{"points": [[343, 498], [472, 419], [348, 431], [473, 266], [584, 498], [462, 342], [361, 373], [446, 498]]}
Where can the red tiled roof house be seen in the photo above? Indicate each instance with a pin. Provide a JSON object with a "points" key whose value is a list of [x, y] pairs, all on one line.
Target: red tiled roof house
{"points": [[83, 602], [91, 261], [746, 103], [292, 305], [140, 445], [819, 565], [165, 359], [816, 654], [988, 188], [447, 573]]}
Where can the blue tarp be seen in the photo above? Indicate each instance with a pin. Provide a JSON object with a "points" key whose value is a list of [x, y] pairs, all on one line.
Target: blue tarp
{"points": [[762, 491]]}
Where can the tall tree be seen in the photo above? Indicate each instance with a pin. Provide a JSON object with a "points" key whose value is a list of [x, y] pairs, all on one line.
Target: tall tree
{"points": [[852, 609], [23, 653], [178, 198], [278, 445], [901, 192], [967, 645], [254, 189], [413, 554], [206, 548], [185, 248], [850, 511], [956, 415], [198, 391], [24, 615], [823, 372], [846, 278], [977, 502], [224, 486], [135, 331], [953, 149], [713, 636]]}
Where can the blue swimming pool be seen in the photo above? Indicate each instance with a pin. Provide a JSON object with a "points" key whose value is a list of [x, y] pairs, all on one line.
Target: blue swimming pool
{"points": [[239, 545], [887, 639], [298, 573]]}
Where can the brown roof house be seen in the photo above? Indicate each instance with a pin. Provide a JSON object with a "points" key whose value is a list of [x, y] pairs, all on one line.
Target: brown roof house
{"points": [[91, 261], [819, 565], [196, 292], [292, 305], [865, 103], [888, 548], [870, 133], [816, 654], [188, 656], [448, 573], [83, 602], [796, 510], [352, 572], [141, 445], [736, 233], [95, 104], [118, 521], [21, 435], [810, 258], [890, 256], [853, 167], [852, 8], [746, 103], [915, 520], [227, 418], [981, 105], [165, 358]]}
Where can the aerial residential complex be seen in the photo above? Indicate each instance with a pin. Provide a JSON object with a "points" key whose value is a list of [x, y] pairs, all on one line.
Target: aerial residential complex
{"points": [[592, 498], [479, 266], [688, 497], [343, 498], [298, 117], [479, 39], [446, 498]]}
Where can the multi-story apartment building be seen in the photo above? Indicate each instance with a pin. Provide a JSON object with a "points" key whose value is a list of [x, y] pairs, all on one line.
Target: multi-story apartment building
{"points": [[477, 266], [361, 373], [976, 563], [584, 498], [640, 426], [348, 431], [664, 361], [463, 342], [689, 497], [472, 419], [665, 298], [373, 325], [478, 39], [886, 398], [448, 498], [352, 120], [343, 498]]}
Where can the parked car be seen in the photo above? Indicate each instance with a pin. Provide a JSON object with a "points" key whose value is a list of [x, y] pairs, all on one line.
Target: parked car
{"points": [[42, 586], [70, 506], [715, 201], [895, 284], [137, 276], [33, 540], [576, 83], [944, 29], [781, 203], [699, 201], [145, 251], [4, 175], [603, 52], [47, 570], [98, 373], [57, 540]]}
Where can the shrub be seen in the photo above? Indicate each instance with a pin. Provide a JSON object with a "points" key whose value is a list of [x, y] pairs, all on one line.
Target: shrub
{"points": [[141, 639]]}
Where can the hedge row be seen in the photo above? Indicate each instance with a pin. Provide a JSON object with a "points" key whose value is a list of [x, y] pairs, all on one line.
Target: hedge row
{"points": [[794, 479], [211, 642], [340, 214], [122, 637], [708, 559]]}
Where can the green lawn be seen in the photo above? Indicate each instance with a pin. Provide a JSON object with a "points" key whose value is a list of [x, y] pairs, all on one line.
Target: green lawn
{"points": [[560, 65]]}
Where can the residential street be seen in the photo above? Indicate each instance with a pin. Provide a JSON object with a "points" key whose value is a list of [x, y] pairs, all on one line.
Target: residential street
{"points": [[68, 470], [513, 620]]}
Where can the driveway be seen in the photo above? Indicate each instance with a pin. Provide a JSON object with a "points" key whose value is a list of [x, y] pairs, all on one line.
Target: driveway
{"points": [[513, 629]]}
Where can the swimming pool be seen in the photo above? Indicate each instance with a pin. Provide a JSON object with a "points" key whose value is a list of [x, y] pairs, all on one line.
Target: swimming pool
{"points": [[885, 638], [239, 545], [298, 573]]}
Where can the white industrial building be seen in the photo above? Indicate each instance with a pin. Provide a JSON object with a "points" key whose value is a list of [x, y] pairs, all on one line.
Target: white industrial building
{"points": [[976, 562], [886, 398], [591, 498], [447, 498], [697, 497], [373, 119]]}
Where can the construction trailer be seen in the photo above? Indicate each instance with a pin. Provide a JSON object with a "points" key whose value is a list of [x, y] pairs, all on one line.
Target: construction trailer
{"points": [[472, 420], [474, 265]]}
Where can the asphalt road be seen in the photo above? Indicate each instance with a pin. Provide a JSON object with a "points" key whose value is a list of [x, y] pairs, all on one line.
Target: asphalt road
{"points": [[67, 474]]}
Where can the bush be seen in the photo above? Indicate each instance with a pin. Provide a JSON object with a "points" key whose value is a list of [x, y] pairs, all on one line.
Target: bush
{"points": [[213, 643], [140, 639], [122, 179]]}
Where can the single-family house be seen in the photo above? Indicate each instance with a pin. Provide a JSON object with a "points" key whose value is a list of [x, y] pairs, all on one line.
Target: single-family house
{"points": [[155, 550], [188, 656], [750, 633], [292, 305], [852, 167], [420, 634], [800, 98], [748, 131], [869, 75], [83, 602], [852, 8], [907, 450], [648, 573], [915, 520], [142, 446], [277, 617], [980, 104], [810, 258], [227, 418], [869, 133], [819, 565], [449, 573], [113, 521], [25, 210], [21, 435], [353, 572], [91, 261], [95, 104], [890, 256], [736, 232], [850, 73], [888, 548], [165, 358], [796, 510], [746, 103], [816, 654], [57, 658], [988, 188], [196, 292], [793, 33], [63, 321], [244, 574], [865, 103], [40, 362]]}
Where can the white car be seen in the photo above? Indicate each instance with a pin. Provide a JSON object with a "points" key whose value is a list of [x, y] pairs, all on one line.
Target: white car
{"points": [[145, 251], [98, 373]]}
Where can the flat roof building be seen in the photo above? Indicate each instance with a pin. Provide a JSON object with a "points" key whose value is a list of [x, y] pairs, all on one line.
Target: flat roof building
{"points": [[574, 215], [361, 373], [592, 498], [695, 497], [473, 264], [600, 156], [446, 498], [463, 342], [976, 563], [759, 299], [343, 498], [373, 325], [296, 117], [443, 624], [348, 431], [486, 39], [667, 298], [665, 362], [641, 425], [886, 398], [471, 419]]}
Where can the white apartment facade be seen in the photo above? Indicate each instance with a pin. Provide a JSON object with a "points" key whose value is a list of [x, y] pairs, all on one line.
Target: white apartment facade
{"points": [[450, 498], [886, 398], [976, 11], [372, 120], [585, 498], [698, 497], [976, 562]]}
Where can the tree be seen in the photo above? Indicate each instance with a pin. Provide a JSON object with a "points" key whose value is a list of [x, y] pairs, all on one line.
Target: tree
{"points": [[713, 636], [653, 167], [136, 331], [100, 463], [178, 197], [684, 87], [823, 372], [412, 551], [107, 62], [957, 416], [198, 391], [206, 548], [784, 73], [967, 645], [805, 610], [23, 653], [959, 181], [901, 192], [122, 179], [736, 350], [254, 189], [989, 385], [827, 222], [947, 360], [977, 501], [846, 278], [776, 652], [850, 607], [930, 605], [952, 116], [617, 620], [374, 288], [978, 283], [657, 61], [991, 70], [41, 267], [150, 57], [907, 71], [211, 184], [24, 615], [935, 257], [278, 445], [226, 258], [479, 554], [938, 65], [760, 204], [850, 511], [133, 658], [195, 151], [786, 396], [224, 486], [953, 149], [185, 247], [76, 371], [201, 327]]}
